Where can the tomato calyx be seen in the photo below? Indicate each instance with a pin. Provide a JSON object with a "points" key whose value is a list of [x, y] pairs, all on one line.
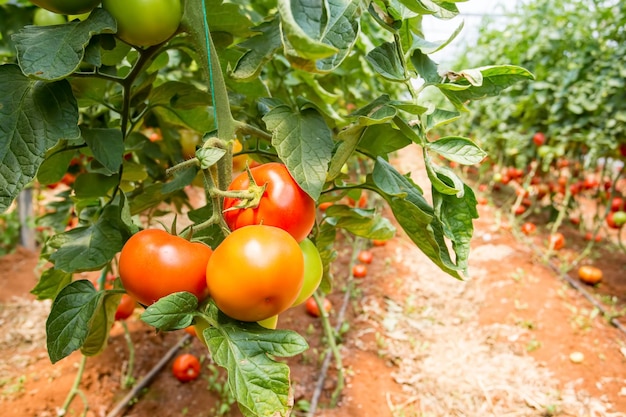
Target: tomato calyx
{"points": [[250, 198]]}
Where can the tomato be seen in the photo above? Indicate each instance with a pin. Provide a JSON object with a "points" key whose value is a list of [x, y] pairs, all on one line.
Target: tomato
{"points": [[145, 22], [359, 271], [283, 204], [190, 330], [313, 271], [616, 220], [154, 263], [529, 228], [186, 367], [557, 241], [539, 139], [590, 274], [622, 149], [313, 309], [125, 308], [67, 6], [270, 322], [43, 17], [255, 273], [520, 209], [589, 236], [323, 206], [378, 242], [188, 142], [240, 161], [617, 203], [365, 257]]}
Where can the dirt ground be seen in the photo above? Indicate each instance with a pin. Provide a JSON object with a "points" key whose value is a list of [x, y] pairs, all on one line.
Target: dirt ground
{"points": [[512, 340]]}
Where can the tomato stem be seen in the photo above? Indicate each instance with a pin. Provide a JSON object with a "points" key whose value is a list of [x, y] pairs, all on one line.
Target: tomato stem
{"points": [[127, 378], [74, 391], [182, 166]]}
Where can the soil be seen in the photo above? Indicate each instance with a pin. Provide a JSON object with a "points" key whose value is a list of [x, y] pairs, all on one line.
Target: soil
{"points": [[514, 339]]}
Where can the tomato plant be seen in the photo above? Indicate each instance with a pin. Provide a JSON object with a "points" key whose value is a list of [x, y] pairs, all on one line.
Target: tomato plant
{"points": [[98, 89], [313, 309], [154, 263], [145, 22], [186, 367], [257, 272], [283, 202]]}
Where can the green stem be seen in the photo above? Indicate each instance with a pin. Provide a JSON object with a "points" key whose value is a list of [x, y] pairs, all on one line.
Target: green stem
{"points": [[127, 378], [74, 391], [247, 129], [182, 166], [332, 344]]}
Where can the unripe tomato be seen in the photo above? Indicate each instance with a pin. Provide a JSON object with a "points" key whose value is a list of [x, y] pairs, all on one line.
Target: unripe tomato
{"points": [[283, 204], [154, 263], [255, 273], [145, 22], [270, 322], [43, 17], [313, 309], [616, 220], [67, 6], [186, 367], [557, 241], [359, 271], [590, 274], [313, 270], [125, 308]]}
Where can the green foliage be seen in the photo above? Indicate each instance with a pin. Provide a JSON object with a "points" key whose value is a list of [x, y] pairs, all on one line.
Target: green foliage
{"points": [[9, 231], [313, 85]]}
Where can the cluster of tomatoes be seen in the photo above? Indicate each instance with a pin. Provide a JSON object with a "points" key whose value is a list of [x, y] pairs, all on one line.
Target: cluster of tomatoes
{"points": [[140, 23], [263, 267]]}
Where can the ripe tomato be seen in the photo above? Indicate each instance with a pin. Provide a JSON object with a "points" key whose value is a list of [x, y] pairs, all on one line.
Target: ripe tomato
{"points": [[378, 242], [43, 17], [589, 236], [190, 330], [539, 139], [255, 273], [365, 257], [312, 308], [323, 206], [125, 308], [359, 271], [283, 204], [67, 6], [520, 209], [616, 219], [154, 263], [529, 228], [617, 203], [186, 367], [557, 241], [145, 22], [590, 274], [313, 270]]}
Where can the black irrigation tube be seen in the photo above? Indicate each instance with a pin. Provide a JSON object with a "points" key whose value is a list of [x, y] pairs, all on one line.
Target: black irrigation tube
{"points": [[579, 287]]}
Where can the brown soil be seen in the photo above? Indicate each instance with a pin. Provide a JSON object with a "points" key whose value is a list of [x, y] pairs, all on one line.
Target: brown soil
{"points": [[419, 343]]}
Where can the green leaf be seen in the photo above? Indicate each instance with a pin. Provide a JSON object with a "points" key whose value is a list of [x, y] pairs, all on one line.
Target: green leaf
{"points": [[89, 185], [348, 141], [260, 383], [172, 312], [378, 111], [69, 322], [458, 149], [304, 143], [179, 95], [54, 167], [260, 48], [101, 323], [50, 282], [382, 139], [441, 117], [209, 156], [428, 47], [228, 17], [435, 172], [107, 146], [360, 222], [438, 8], [341, 30], [90, 248], [54, 52], [34, 117], [386, 61], [425, 67]]}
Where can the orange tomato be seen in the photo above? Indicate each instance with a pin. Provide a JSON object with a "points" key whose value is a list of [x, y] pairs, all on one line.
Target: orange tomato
{"points": [[590, 274]]}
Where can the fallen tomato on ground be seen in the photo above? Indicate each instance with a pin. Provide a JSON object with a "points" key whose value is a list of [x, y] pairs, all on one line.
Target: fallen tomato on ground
{"points": [[186, 367]]}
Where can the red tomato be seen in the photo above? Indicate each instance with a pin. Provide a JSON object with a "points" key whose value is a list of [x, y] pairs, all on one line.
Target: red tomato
{"points": [[154, 263], [313, 309], [539, 139], [557, 241], [186, 367], [617, 203], [125, 308], [616, 219], [529, 228], [323, 206], [359, 271], [520, 209], [366, 257], [191, 330], [255, 273], [283, 204], [589, 236], [378, 242]]}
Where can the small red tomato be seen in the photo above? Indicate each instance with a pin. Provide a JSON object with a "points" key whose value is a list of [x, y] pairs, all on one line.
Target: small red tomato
{"points": [[323, 206], [377, 242], [557, 241], [190, 330], [616, 219], [312, 308], [186, 367], [366, 257], [125, 308], [539, 139], [617, 203], [520, 209], [529, 228], [359, 271], [589, 236]]}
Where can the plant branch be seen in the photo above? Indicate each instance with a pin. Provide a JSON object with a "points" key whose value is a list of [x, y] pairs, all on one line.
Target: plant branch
{"points": [[74, 390]]}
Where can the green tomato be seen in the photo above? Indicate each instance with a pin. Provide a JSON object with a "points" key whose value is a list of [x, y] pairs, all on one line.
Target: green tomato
{"points": [[145, 22], [67, 6], [313, 271], [80, 17], [619, 218], [270, 323], [43, 17]]}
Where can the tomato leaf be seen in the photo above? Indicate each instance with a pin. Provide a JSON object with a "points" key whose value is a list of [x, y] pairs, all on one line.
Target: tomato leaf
{"points": [[37, 115], [50, 283], [91, 184], [171, 312], [360, 222], [70, 318], [260, 48], [383, 139], [90, 248], [54, 52], [260, 383], [386, 61], [100, 326], [304, 143], [458, 149], [107, 146]]}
